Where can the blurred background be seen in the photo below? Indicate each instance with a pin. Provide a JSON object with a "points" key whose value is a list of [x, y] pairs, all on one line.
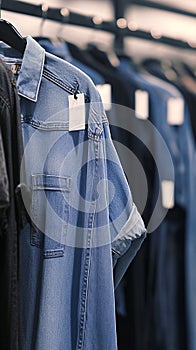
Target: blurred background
{"points": [[146, 18]]}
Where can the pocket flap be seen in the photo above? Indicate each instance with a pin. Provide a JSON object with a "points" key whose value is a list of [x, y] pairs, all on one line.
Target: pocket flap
{"points": [[51, 182]]}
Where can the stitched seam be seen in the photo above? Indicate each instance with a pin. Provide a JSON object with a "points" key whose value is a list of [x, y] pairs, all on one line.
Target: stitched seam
{"points": [[70, 89], [41, 126], [52, 78], [87, 267], [5, 101]]}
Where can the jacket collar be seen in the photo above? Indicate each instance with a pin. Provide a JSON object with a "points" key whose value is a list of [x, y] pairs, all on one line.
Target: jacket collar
{"points": [[31, 71]]}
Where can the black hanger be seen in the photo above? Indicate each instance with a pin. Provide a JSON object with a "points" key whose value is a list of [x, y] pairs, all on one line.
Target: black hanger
{"points": [[10, 36], [39, 38]]}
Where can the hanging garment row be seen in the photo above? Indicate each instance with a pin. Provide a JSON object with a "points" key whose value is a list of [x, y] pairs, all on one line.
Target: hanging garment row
{"points": [[158, 290], [121, 28], [82, 226], [63, 300]]}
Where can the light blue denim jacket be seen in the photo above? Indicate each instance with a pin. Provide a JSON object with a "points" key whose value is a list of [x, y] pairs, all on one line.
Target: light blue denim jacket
{"points": [[83, 218]]}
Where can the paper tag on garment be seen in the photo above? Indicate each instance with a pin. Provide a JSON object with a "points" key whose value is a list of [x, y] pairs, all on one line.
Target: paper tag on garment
{"points": [[106, 95], [141, 104], [175, 111], [167, 188], [76, 112]]}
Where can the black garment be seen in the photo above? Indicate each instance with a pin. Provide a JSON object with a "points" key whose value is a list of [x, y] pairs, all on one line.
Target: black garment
{"points": [[4, 190], [156, 272], [10, 126], [166, 284]]}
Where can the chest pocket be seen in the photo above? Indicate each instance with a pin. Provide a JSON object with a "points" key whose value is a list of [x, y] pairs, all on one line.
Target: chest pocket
{"points": [[50, 213]]}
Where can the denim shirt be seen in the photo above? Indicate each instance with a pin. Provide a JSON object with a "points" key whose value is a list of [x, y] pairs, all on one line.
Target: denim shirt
{"points": [[84, 221]]}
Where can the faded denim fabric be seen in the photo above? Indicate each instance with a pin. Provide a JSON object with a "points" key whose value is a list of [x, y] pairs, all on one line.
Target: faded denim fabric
{"points": [[84, 220]]}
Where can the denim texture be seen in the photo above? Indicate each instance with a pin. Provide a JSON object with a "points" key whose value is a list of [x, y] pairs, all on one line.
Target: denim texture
{"points": [[84, 218]]}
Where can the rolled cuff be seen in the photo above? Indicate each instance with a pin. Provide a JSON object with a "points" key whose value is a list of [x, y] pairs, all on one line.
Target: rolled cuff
{"points": [[127, 243]]}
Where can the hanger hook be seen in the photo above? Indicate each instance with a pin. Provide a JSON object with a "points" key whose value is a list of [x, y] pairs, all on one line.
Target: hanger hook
{"points": [[44, 9], [65, 18]]}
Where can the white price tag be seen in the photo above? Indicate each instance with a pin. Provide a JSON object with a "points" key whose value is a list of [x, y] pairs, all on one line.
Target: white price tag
{"points": [[106, 95], [167, 188], [175, 111], [141, 104], [76, 112]]}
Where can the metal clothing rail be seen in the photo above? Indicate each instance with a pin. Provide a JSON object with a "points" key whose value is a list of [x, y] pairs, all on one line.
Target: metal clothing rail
{"points": [[159, 6], [162, 39], [64, 16]]}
